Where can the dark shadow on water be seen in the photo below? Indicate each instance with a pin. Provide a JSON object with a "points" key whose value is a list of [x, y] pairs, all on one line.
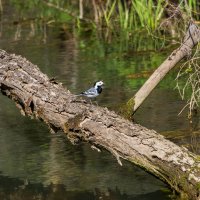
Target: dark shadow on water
{"points": [[15, 189]]}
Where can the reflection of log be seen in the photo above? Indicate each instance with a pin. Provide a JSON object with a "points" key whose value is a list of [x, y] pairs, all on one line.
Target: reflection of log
{"points": [[19, 190], [192, 37], [38, 96]]}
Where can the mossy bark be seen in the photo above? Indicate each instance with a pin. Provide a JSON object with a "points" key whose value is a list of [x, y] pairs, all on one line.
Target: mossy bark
{"points": [[39, 97]]}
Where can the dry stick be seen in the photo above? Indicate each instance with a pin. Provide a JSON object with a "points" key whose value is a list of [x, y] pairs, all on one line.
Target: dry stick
{"points": [[81, 9], [96, 15], [1, 6], [192, 37]]}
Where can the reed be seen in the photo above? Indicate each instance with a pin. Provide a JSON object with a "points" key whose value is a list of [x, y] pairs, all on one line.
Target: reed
{"points": [[126, 16], [191, 7], [116, 16], [108, 12], [148, 12]]}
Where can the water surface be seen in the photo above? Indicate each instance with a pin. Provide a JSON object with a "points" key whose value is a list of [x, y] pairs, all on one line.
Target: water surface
{"points": [[35, 164]]}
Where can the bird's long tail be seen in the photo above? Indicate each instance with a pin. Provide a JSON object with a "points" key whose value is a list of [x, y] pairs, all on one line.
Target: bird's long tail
{"points": [[81, 94]]}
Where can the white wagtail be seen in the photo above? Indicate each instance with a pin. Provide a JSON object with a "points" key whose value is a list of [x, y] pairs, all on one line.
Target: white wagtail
{"points": [[93, 91]]}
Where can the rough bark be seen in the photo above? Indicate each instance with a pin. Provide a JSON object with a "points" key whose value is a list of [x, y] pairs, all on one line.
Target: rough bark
{"points": [[38, 96], [191, 38]]}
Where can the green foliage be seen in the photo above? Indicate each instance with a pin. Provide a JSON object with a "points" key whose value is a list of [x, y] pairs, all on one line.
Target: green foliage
{"points": [[112, 17], [138, 13], [191, 7], [115, 14], [108, 13], [148, 12]]}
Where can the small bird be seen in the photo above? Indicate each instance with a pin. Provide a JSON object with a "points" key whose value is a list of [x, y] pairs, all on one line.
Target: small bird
{"points": [[93, 91]]}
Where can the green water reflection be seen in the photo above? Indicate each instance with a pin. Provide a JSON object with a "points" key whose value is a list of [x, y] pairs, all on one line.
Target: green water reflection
{"points": [[37, 165]]}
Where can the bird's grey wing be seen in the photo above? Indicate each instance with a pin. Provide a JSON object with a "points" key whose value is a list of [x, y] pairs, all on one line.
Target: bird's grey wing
{"points": [[91, 91]]}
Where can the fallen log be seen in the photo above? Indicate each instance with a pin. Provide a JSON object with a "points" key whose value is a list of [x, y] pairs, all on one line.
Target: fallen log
{"points": [[39, 97], [191, 39]]}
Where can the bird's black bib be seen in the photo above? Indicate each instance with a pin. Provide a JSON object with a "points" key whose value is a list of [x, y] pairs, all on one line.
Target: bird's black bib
{"points": [[99, 89]]}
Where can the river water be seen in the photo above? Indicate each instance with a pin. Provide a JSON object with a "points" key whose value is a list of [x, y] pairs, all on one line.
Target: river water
{"points": [[35, 164]]}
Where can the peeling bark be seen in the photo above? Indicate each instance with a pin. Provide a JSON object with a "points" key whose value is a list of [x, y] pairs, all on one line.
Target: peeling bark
{"points": [[39, 97]]}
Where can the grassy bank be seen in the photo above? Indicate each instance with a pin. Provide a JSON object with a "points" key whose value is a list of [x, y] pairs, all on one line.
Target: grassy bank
{"points": [[116, 16]]}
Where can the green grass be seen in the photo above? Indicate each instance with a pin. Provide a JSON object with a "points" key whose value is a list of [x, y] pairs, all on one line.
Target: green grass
{"points": [[191, 8], [114, 16], [149, 13], [138, 13]]}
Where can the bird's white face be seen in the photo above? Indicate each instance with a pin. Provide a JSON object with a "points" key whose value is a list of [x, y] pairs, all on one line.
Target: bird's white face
{"points": [[99, 83]]}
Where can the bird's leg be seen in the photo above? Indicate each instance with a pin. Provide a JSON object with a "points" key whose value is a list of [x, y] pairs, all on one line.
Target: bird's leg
{"points": [[96, 101]]}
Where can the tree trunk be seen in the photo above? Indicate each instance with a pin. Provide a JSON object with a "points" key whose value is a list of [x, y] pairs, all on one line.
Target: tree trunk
{"points": [[38, 96], [192, 37]]}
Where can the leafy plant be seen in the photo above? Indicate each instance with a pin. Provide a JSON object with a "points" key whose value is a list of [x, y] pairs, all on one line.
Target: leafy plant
{"points": [[148, 12]]}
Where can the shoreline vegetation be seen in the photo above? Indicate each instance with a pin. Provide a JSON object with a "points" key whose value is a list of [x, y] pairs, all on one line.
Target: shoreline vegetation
{"points": [[114, 16]]}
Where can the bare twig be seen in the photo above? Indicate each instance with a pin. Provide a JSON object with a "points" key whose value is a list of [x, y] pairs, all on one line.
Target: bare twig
{"points": [[190, 71]]}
